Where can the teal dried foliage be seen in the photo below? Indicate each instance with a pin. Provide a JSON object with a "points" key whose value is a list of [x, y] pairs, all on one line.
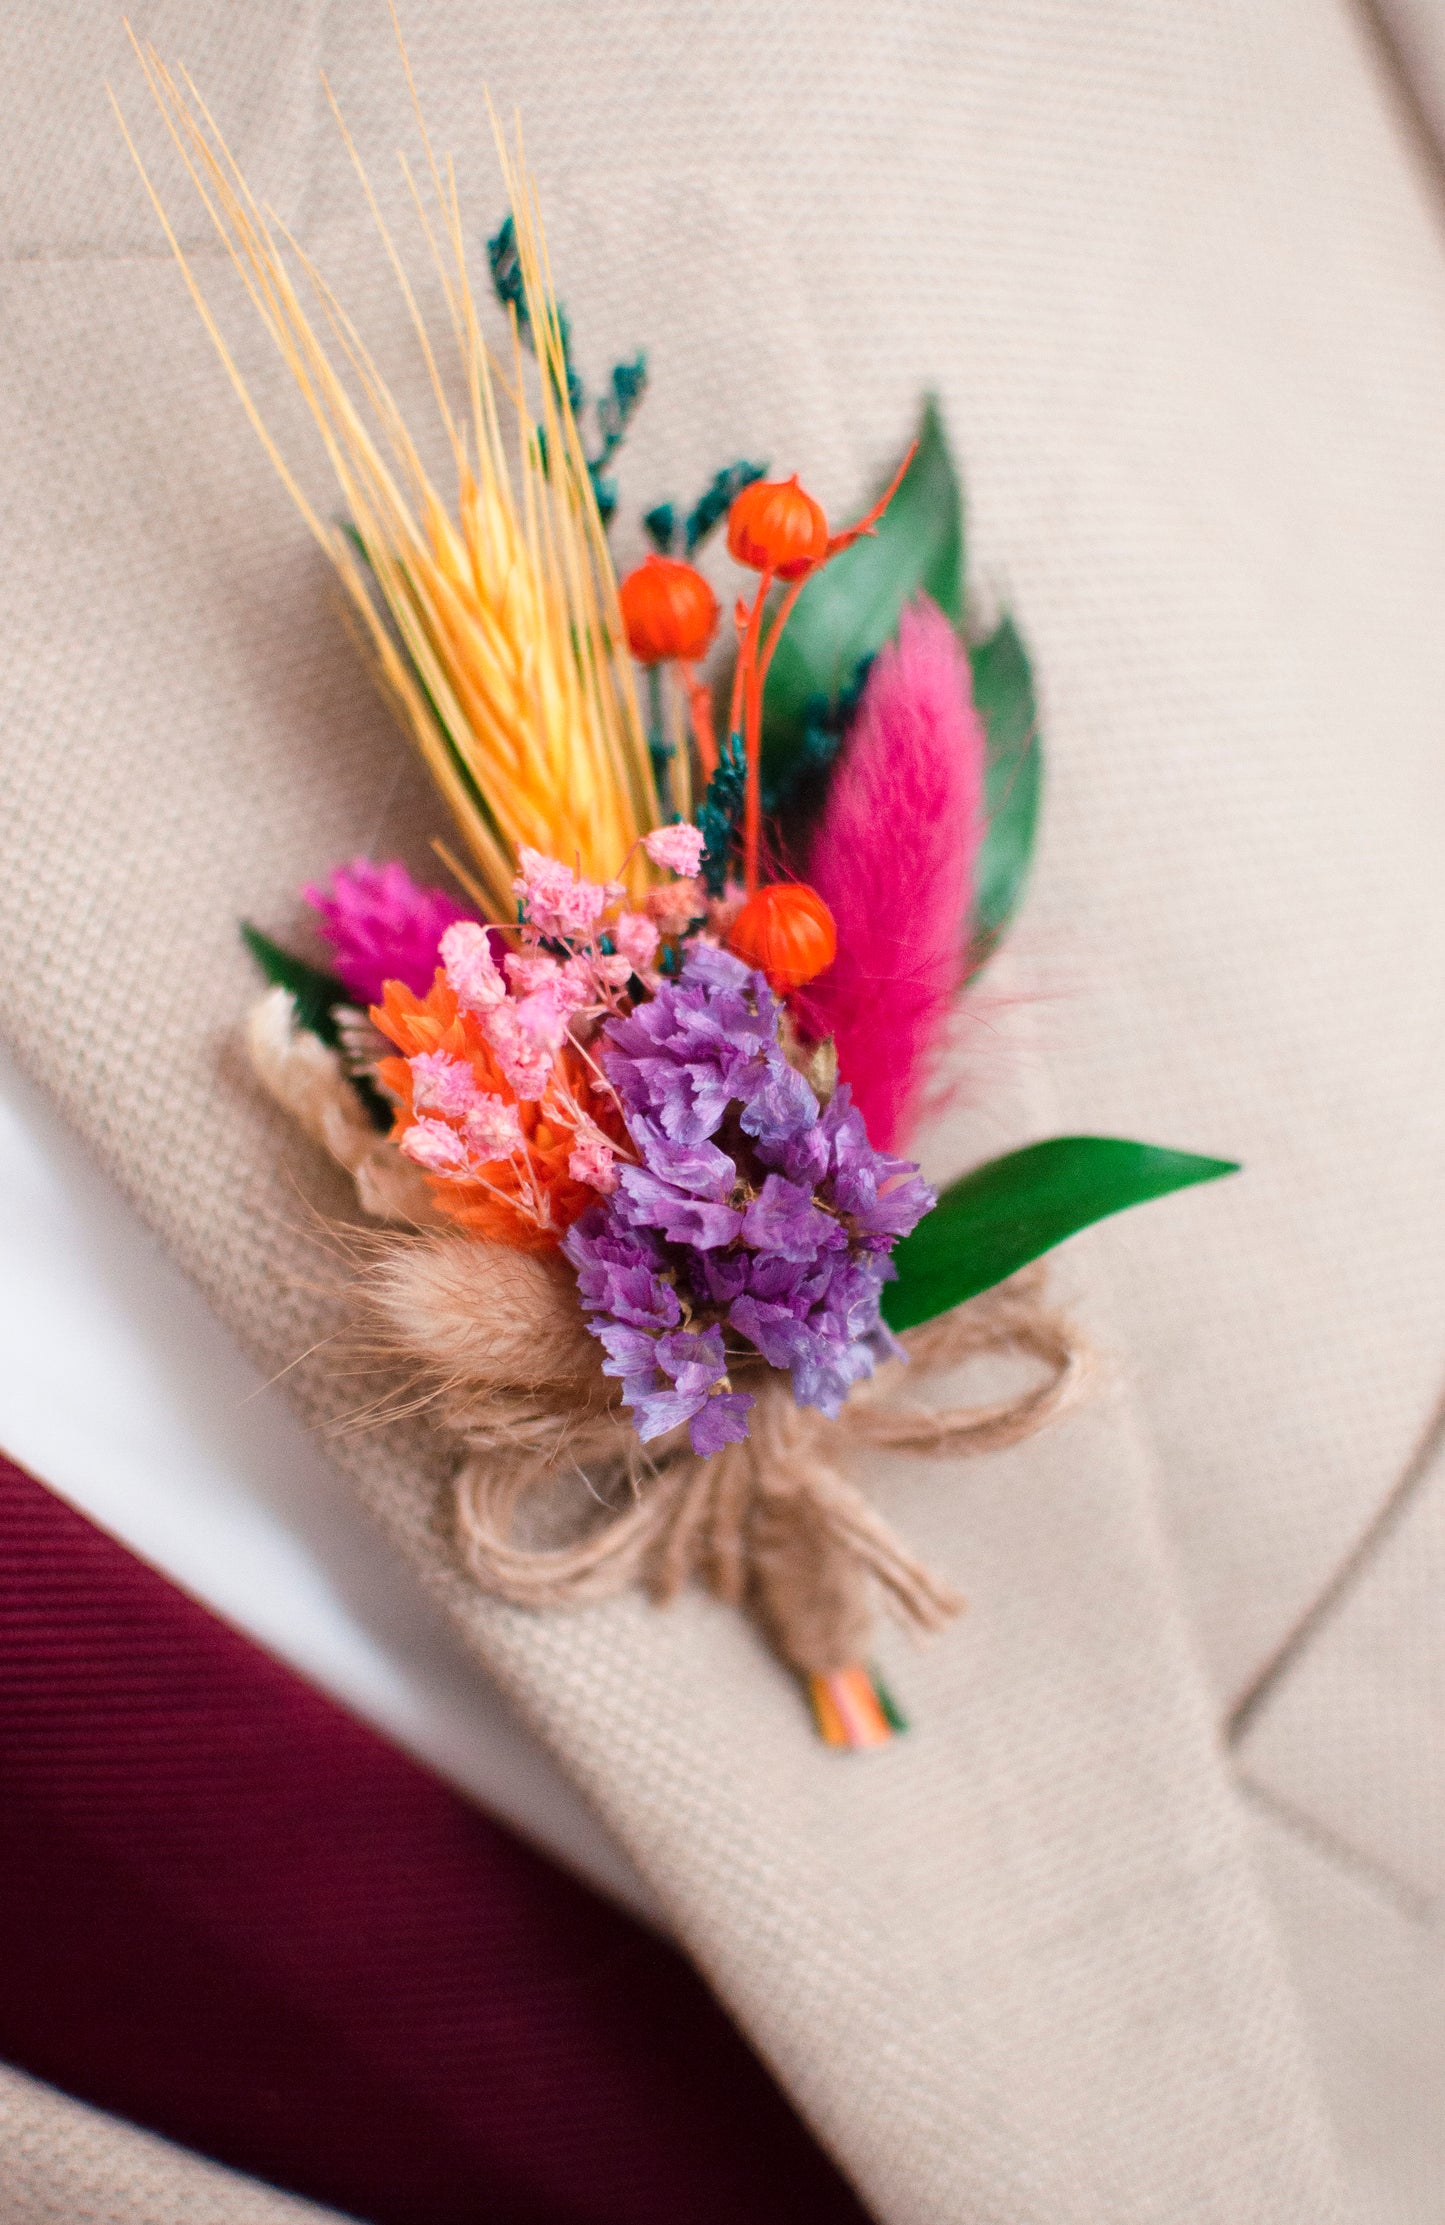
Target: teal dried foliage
{"points": [[719, 812], [660, 526], [615, 411], [505, 265], [615, 408], [506, 268], [715, 503], [662, 754], [663, 527]]}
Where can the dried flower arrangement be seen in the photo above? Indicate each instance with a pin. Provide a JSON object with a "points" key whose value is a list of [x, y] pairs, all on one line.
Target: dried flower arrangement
{"points": [[631, 1098]]}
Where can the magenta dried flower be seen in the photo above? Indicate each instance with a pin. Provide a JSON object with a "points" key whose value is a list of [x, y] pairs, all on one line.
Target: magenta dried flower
{"points": [[382, 927]]}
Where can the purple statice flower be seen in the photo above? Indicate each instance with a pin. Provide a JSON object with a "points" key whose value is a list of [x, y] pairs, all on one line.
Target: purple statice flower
{"points": [[669, 1374], [756, 1216], [621, 1272], [382, 927]]}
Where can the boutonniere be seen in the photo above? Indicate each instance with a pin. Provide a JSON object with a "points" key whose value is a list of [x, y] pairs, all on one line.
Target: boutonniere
{"points": [[630, 1091]]}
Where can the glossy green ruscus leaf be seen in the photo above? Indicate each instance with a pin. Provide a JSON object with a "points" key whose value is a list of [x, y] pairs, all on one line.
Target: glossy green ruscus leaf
{"points": [[850, 609], [1014, 1209], [1003, 689]]}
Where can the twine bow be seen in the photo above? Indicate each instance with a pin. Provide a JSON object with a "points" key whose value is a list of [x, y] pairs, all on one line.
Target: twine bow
{"points": [[772, 1522]]}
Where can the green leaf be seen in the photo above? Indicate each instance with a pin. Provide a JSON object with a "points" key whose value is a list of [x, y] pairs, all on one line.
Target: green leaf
{"points": [[853, 607], [1003, 689], [316, 993], [316, 996], [1012, 1210]]}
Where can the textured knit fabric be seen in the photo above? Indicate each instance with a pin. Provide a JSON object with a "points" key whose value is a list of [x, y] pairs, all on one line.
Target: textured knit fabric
{"points": [[1411, 36], [233, 1914], [62, 2163], [1183, 295]]}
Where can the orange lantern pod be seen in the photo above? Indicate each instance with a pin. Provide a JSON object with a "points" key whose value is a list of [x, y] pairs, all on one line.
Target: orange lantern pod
{"points": [[669, 610], [787, 932], [775, 526]]}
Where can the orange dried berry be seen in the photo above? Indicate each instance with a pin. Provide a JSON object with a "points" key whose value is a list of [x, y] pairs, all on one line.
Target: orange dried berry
{"points": [[669, 611], [787, 932], [775, 526]]}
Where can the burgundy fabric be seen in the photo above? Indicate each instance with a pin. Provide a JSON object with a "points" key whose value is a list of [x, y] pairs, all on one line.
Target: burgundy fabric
{"points": [[232, 1913]]}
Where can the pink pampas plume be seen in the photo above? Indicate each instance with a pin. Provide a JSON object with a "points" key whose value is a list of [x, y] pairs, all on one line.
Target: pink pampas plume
{"points": [[893, 856], [382, 927]]}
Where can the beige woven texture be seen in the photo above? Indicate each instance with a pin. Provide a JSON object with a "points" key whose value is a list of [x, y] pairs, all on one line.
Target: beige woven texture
{"points": [[64, 2164], [1177, 279]]}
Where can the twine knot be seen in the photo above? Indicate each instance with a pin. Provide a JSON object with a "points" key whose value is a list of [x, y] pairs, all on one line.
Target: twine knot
{"points": [[772, 1523]]}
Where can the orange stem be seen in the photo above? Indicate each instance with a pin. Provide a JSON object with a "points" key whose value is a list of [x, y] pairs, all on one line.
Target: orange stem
{"points": [[748, 694], [742, 620], [753, 816], [699, 709], [852, 533], [785, 611]]}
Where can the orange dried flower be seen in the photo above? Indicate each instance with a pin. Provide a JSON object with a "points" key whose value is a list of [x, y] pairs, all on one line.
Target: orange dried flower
{"points": [[787, 932], [669, 610], [775, 526], [502, 1206]]}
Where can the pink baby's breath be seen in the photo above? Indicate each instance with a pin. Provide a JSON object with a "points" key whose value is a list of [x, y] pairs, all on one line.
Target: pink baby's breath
{"points": [[437, 1149], [492, 1129], [676, 904], [679, 848], [636, 938], [592, 1162], [577, 983], [529, 969], [442, 1084], [556, 902], [543, 1016], [466, 953], [526, 1064]]}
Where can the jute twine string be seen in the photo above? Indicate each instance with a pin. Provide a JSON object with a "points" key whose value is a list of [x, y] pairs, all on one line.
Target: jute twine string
{"points": [[772, 1522], [500, 1355]]}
